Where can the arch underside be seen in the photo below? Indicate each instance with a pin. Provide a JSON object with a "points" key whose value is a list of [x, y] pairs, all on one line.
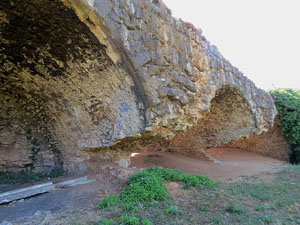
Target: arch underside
{"points": [[60, 91], [63, 93], [230, 118]]}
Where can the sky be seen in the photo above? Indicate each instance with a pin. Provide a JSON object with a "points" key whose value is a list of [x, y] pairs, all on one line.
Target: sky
{"points": [[260, 37]]}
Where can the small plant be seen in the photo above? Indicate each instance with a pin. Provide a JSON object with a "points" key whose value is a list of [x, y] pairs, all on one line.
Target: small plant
{"points": [[129, 220], [130, 206], [267, 220], [56, 173], [147, 222], [173, 210], [216, 220], [262, 208], [19, 178], [204, 208], [144, 186], [235, 209], [108, 222], [110, 201]]}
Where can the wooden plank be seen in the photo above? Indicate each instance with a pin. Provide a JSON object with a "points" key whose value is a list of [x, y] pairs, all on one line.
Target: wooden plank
{"points": [[71, 183], [74, 182], [25, 192]]}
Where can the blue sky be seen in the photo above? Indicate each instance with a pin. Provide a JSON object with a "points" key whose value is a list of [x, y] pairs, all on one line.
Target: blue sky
{"points": [[260, 37]]}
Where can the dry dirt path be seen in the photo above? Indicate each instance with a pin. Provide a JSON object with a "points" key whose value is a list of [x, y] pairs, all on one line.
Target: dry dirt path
{"points": [[231, 163]]}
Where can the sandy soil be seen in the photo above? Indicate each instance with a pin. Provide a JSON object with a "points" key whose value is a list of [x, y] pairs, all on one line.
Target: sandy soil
{"points": [[230, 163]]}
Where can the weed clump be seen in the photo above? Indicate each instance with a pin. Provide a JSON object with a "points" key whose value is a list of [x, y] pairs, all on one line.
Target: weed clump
{"points": [[19, 178], [173, 210], [110, 201], [235, 209], [129, 220], [148, 185]]}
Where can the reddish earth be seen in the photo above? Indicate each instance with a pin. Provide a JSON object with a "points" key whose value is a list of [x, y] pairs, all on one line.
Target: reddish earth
{"points": [[230, 163]]}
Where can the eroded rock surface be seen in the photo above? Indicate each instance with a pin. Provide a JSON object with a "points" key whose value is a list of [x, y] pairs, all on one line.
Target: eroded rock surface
{"points": [[271, 143], [83, 80]]}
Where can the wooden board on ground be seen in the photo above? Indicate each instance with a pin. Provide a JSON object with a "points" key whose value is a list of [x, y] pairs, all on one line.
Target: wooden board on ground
{"points": [[74, 182], [25, 192], [40, 188]]}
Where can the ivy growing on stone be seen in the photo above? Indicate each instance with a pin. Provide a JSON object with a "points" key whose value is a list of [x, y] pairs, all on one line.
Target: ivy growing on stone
{"points": [[287, 102]]}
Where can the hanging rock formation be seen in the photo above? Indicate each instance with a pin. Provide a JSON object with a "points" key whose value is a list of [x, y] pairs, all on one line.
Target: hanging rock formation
{"points": [[84, 80]]}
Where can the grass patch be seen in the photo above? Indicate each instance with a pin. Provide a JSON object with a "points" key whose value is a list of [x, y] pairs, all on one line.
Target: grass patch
{"points": [[27, 177], [19, 178], [252, 201], [146, 189], [129, 220], [235, 209], [110, 201], [173, 210], [147, 186], [204, 208], [56, 173]]}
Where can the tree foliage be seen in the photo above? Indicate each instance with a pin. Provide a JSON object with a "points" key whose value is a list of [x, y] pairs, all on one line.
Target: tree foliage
{"points": [[287, 102]]}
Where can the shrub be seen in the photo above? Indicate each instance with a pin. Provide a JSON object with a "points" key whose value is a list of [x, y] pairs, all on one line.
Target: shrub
{"points": [[287, 102], [148, 185], [112, 200], [173, 210], [144, 186], [129, 220], [147, 222]]}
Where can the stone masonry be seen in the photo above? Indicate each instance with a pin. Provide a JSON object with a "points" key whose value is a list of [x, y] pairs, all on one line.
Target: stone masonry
{"points": [[92, 80]]}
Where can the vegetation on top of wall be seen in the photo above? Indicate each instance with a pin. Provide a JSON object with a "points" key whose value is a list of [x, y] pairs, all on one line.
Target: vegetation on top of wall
{"points": [[287, 102]]}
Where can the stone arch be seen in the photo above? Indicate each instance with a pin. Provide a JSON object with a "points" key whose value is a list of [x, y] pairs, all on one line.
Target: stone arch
{"points": [[60, 89], [230, 117]]}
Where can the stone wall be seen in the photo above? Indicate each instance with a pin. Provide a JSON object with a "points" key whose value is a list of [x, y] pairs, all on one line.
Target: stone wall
{"points": [[60, 91], [271, 143], [83, 80], [230, 118]]}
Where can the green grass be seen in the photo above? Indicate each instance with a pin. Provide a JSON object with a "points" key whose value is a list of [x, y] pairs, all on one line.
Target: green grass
{"points": [[204, 208], [173, 210], [235, 209], [250, 201], [129, 220], [147, 186], [19, 178], [26, 177], [110, 201]]}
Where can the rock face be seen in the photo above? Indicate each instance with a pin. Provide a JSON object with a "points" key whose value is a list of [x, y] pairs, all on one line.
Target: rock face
{"points": [[271, 143], [96, 79]]}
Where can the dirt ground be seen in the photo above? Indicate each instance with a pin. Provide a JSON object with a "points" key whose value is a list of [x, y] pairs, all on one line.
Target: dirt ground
{"points": [[230, 163], [66, 206]]}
